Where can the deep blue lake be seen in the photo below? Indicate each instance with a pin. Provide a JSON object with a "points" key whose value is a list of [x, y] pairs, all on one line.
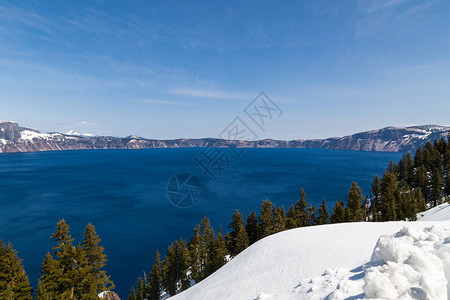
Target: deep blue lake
{"points": [[124, 194]]}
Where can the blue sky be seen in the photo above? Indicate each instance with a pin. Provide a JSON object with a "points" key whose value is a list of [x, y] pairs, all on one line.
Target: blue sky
{"points": [[169, 69]]}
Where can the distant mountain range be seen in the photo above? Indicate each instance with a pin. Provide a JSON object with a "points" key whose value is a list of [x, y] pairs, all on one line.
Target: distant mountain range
{"points": [[14, 138]]}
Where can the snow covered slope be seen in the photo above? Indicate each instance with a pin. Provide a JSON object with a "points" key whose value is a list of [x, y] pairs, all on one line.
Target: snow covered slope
{"points": [[438, 213], [339, 262]]}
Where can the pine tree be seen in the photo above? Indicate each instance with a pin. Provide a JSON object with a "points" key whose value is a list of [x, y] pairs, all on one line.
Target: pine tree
{"points": [[419, 157], [200, 246], [170, 270], [301, 210], [48, 283], [195, 249], [291, 221], [409, 164], [68, 263], [436, 187], [412, 205], [447, 180], [218, 253], [324, 216], [375, 201], [432, 157], [354, 203], [401, 203], [154, 292], [421, 180], [311, 215], [96, 280], [207, 239], [389, 187], [251, 227], [338, 215], [14, 283], [421, 204], [140, 289], [279, 219], [392, 168], [184, 261], [265, 221], [238, 235], [132, 295]]}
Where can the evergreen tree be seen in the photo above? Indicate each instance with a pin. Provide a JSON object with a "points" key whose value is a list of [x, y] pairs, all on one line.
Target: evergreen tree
{"points": [[419, 157], [132, 295], [338, 215], [409, 165], [354, 203], [291, 221], [184, 261], [68, 276], [96, 280], [324, 216], [279, 219], [432, 157], [199, 248], [421, 180], [14, 283], [412, 205], [265, 221], [154, 284], [311, 215], [207, 239], [48, 283], [301, 210], [436, 187], [392, 168], [375, 201], [195, 249], [389, 187], [218, 253], [170, 270], [401, 203], [421, 204], [447, 180], [238, 235], [140, 289], [251, 227]]}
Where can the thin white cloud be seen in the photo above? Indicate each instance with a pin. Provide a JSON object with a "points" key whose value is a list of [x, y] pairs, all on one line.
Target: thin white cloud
{"points": [[426, 66], [209, 93], [154, 101], [394, 3], [86, 123]]}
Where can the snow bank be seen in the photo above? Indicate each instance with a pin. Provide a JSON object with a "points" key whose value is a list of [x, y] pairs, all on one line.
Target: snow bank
{"points": [[438, 213], [339, 261], [412, 264]]}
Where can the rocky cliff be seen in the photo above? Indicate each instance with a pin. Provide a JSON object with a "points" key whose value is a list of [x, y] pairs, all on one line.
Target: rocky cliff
{"points": [[14, 138]]}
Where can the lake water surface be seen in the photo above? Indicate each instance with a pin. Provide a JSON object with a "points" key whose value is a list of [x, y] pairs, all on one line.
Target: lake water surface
{"points": [[123, 193]]}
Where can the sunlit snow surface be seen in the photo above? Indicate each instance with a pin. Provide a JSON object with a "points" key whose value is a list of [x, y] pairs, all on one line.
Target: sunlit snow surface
{"points": [[393, 260]]}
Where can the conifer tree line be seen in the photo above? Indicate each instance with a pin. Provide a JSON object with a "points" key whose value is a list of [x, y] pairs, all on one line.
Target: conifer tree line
{"points": [[69, 272], [413, 185], [185, 264]]}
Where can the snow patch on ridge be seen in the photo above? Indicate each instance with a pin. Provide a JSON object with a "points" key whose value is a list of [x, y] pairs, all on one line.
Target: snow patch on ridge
{"points": [[29, 135]]}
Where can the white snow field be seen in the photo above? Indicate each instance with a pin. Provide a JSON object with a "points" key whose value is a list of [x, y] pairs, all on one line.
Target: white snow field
{"points": [[392, 260]]}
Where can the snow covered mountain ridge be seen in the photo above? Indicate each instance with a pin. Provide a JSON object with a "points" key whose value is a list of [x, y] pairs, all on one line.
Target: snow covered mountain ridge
{"points": [[391, 260], [14, 138]]}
